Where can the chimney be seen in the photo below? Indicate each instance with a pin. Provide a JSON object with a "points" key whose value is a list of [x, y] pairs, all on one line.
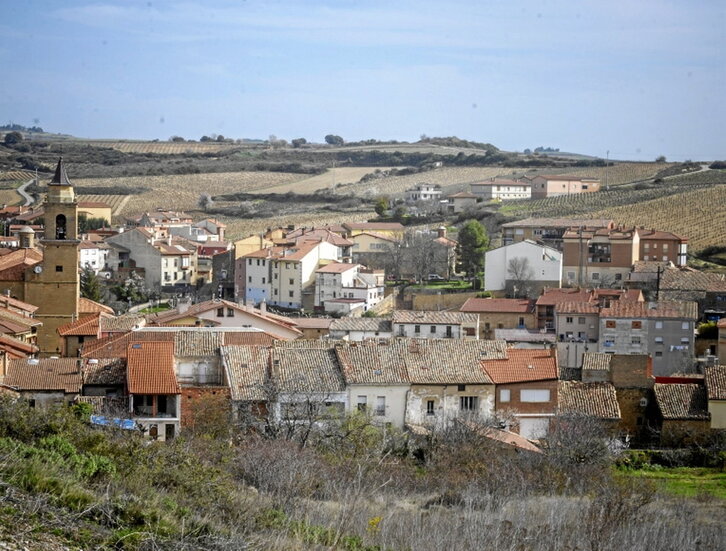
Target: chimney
{"points": [[441, 231], [263, 307]]}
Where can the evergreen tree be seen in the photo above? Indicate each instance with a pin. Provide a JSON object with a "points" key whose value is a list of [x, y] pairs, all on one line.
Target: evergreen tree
{"points": [[90, 285], [473, 243]]}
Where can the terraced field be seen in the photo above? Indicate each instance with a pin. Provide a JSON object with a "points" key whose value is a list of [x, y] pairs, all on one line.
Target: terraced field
{"points": [[698, 214], [116, 202], [622, 173], [181, 192], [16, 176], [164, 148]]}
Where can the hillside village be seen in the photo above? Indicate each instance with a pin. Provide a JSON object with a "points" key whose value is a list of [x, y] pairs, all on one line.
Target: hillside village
{"points": [[575, 316]]}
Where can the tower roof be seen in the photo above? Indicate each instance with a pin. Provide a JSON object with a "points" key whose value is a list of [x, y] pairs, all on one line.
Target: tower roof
{"points": [[60, 178]]}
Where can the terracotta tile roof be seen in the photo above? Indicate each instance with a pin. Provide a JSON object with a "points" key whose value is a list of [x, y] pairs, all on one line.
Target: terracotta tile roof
{"points": [[15, 348], [721, 323], [433, 317], [571, 307], [337, 268], [313, 323], [681, 401], [552, 297], [18, 322], [658, 235], [47, 374], [566, 177], [496, 305], [13, 304], [323, 234], [151, 368], [373, 363], [522, 365], [374, 234], [463, 195], [88, 306], [110, 371], [503, 437], [288, 254], [688, 279], [446, 242], [306, 370], [258, 338], [662, 309], [448, 361], [593, 399], [121, 324], [87, 326], [716, 382], [650, 266], [372, 325], [116, 346], [20, 257], [247, 370], [596, 361], [197, 343], [524, 335], [106, 405]]}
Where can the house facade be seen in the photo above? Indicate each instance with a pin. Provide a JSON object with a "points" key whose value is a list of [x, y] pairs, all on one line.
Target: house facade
{"points": [[552, 186], [435, 325], [526, 266], [501, 313], [502, 189]]}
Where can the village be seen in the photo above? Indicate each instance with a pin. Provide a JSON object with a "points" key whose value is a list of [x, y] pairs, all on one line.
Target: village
{"points": [[574, 316]]}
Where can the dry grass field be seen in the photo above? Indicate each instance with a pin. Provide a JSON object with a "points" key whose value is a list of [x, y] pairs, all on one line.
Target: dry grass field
{"points": [[344, 176], [116, 202], [164, 148], [181, 192], [699, 215], [21, 176]]}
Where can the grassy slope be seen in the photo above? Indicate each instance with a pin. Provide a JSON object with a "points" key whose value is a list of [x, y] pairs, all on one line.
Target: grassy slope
{"points": [[684, 481]]}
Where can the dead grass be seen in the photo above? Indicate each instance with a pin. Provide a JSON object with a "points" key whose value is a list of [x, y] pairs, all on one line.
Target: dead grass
{"points": [[329, 179]]}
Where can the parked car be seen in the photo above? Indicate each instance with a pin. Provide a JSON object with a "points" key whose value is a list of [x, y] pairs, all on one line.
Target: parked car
{"points": [[436, 277]]}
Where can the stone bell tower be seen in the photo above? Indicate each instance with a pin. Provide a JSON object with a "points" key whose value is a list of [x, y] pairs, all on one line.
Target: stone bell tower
{"points": [[54, 284]]}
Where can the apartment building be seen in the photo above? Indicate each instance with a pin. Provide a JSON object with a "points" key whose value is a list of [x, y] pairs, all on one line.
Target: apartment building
{"points": [[549, 230], [502, 189]]}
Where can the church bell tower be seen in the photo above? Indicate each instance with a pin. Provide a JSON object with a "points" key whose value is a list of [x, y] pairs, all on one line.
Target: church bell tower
{"points": [[54, 285]]}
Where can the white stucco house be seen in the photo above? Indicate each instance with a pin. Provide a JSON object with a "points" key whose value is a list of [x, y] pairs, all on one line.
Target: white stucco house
{"points": [[507, 266]]}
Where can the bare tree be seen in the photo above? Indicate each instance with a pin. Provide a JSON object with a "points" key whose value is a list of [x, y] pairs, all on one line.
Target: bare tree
{"points": [[519, 277]]}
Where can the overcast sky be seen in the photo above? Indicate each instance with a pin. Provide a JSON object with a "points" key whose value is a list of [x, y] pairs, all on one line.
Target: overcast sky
{"points": [[639, 78]]}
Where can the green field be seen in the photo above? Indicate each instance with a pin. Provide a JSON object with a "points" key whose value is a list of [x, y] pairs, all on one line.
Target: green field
{"points": [[683, 481]]}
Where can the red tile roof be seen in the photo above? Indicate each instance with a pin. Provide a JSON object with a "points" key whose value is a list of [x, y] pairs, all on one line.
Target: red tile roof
{"points": [[716, 382], [86, 326], [337, 268], [47, 374], [577, 308], [682, 401], [151, 368], [522, 365], [554, 296], [592, 399], [498, 305]]}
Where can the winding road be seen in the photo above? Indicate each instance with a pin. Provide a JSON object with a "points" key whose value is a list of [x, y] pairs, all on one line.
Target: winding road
{"points": [[27, 197]]}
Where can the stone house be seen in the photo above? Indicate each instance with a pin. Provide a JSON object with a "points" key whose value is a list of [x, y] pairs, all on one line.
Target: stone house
{"points": [[716, 394], [595, 400], [46, 381], [682, 413], [460, 202], [359, 329]]}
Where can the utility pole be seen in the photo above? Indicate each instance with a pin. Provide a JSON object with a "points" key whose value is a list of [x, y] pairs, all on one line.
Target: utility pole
{"points": [[657, 284]]}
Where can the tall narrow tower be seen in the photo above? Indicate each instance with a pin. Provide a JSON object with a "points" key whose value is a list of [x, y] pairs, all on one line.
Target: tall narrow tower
{"points": [[54, 284]]}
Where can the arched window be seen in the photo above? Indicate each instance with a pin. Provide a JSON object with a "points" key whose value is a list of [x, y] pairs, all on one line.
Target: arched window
{"points": [[60, 226]]}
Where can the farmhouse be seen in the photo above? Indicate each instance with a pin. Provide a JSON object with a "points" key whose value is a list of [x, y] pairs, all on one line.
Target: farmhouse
{"points": [[552, 186]]}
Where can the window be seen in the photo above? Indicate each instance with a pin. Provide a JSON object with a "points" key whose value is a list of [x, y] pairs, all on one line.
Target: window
{"points": [[449, 334], [59, 268], [433, 329], [505, 395], [362, 403], [568, 319], [610, 324], [685, 326], [292, 281], [249, 262], [684, 340], [430, 404], [290, 294], [595, 276], [220, 312], [468, 403], [571, 275], [618, 277], [658, 353], [521, 323], [665, 247], [534, 395], [636, 325], [380, 405], [461, 388], [659, 340], [249, 279], [635, 340], [417, 329], [469, 331], [263, 281], [646, 246], [659, 325], [581, 321], [230, 312]]}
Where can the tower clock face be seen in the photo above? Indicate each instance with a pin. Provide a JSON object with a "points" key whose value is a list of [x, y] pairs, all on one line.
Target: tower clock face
{"points": [[38, 269]]}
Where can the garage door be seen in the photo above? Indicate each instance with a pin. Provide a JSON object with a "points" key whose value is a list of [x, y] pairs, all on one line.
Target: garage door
{"points": [[533, 427]]}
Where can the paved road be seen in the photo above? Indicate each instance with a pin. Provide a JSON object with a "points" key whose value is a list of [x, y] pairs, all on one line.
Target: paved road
{"points": [[27, 197]]}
